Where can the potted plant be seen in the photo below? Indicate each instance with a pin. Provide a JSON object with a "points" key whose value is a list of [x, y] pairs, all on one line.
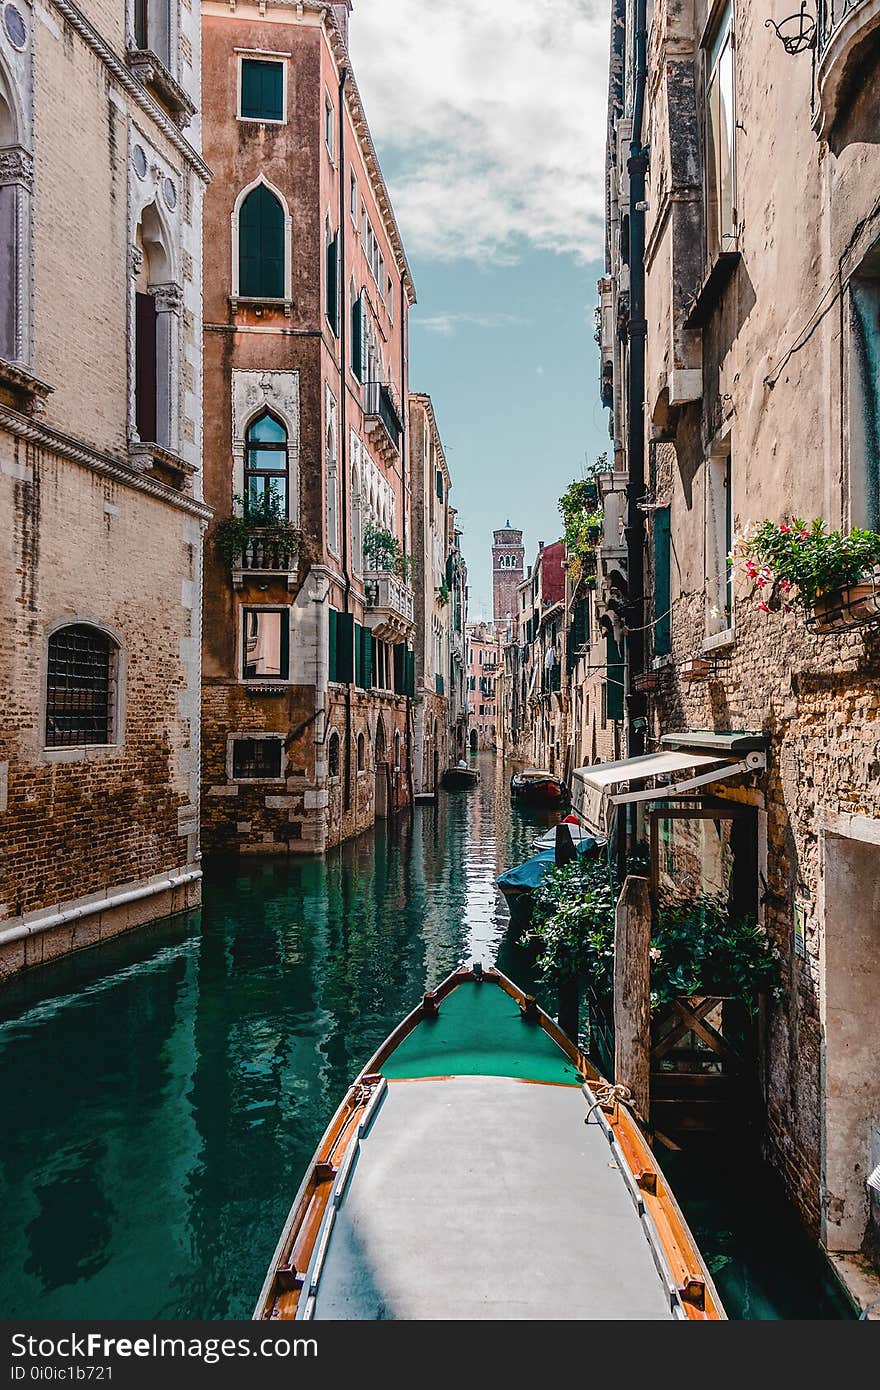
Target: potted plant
{"points": [[833, 576], [262, 522], [383, 551]]}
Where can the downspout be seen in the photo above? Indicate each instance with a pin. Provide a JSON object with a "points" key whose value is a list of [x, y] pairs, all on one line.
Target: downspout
{"points": [[637, 166], [343, 428], [404, 436]]}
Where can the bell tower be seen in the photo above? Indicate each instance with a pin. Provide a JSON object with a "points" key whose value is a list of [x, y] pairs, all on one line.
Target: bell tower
{"points": [[508, 559]]}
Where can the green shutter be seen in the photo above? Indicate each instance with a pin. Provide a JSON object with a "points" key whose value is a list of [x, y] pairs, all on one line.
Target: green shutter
{"points": [[410, 680], [399, 669], [261, 245], [367, 658], [345, 648], [357, 337], [613, 678], [662, 583], [332, 307], [332, 639], [262, 90]]}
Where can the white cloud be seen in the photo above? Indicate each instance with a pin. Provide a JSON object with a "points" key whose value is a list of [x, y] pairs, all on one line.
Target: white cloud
{"points": [[493, 115], [445, 324]]}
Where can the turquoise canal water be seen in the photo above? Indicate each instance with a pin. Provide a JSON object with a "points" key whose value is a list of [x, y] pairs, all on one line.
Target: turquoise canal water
{"points": [[164, 1093]]}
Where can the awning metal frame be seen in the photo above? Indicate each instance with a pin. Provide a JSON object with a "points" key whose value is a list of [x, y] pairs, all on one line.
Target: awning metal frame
{"points": [[753, 762]]}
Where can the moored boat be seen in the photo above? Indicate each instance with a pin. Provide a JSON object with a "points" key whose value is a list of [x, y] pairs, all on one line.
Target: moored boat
{"points": [[460, 777], [578, 834], [536, 787], [479, 1168]]}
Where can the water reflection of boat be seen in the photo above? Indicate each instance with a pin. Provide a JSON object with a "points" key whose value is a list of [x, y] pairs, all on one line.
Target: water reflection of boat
{"points": [[478, 1131]]}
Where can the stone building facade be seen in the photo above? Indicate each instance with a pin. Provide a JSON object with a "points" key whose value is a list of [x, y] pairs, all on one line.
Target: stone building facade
{"points": [[101, 186], [438, 607], [308, 668], [762, 399], [483, 674]]}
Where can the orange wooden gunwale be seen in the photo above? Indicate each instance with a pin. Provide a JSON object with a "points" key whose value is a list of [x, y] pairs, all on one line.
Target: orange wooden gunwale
{"points": [[281, 1293]]}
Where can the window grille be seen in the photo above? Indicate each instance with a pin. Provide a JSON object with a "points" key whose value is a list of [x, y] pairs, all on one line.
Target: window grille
{"points": [[79, 688], [256, 758]]}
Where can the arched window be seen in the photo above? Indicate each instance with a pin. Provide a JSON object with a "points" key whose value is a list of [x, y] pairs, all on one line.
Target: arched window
{"points": [[15, 195], [333, 754], [261, 233], [265, 469], [157, 308], [361, 753], [357, 523], [81, 683]]}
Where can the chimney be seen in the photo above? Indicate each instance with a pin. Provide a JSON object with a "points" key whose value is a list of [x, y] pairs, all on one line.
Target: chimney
{"points": [[341, 11]]}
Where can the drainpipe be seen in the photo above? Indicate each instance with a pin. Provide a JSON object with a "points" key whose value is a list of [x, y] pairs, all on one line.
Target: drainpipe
{"points": [[637, 166], [404, 410], [343, 428]]}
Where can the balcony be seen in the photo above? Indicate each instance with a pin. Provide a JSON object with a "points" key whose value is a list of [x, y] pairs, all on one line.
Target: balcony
{"points": [[389, 603], [152, 73], [383, 419], [843, 28], [265, 555]]}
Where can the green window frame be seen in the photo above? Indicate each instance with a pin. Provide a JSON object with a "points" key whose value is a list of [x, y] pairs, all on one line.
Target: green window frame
{"points": [[261, 245], [262, 90]]}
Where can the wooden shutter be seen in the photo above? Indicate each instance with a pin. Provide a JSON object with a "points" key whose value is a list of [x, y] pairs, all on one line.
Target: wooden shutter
{"points": [[145, 366], [332, 307], [367, 658], [345, 648], [357, 337], [399, 669], [662, 583], [613, 678], [410, 665], [262, 90], [261, 245], [333, 638]]}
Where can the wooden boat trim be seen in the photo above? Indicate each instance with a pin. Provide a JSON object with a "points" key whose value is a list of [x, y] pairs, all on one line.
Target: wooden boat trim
{"points": [[309, 1223]]}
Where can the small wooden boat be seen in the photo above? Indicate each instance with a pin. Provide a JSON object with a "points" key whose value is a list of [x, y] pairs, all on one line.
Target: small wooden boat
{"points": [[578, 834], [536, 788], [522, 880], [479, 1168], [460, 777]]}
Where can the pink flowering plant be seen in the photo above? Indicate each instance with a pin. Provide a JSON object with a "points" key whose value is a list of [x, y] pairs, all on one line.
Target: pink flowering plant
{"points": [[797, 562]]}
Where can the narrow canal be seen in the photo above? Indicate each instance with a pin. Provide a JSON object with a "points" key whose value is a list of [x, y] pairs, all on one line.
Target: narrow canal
{"points": [[164, 1093]]}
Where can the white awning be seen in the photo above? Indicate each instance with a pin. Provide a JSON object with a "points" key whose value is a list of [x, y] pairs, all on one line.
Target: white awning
{"points": [[595, 790]]}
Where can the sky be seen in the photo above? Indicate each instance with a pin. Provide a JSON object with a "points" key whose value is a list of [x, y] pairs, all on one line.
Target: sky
{"points": [[489, 120]]}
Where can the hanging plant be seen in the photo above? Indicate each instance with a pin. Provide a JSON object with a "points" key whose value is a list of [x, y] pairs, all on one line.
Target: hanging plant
{"points": [[443, 594], [265, 520], [799, 563]]}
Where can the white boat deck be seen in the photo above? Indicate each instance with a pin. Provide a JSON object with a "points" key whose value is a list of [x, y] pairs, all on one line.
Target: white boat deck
{"points": [[479, 1197]]}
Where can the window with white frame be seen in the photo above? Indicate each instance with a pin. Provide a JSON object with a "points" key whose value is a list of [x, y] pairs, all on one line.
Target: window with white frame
{"points": [[720, 129], [718, 540], [261, 89], [328, 125]]}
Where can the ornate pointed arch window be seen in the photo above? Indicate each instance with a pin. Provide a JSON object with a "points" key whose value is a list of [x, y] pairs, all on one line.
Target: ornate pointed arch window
{"points": [[266, 469]]}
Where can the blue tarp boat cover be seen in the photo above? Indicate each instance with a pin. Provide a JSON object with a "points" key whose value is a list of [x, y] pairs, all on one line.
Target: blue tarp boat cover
{"points": [[526, 877]]}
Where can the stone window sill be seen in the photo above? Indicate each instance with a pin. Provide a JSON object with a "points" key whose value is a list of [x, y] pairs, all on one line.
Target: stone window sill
{"points": [[260, 304], [718, 640]]}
